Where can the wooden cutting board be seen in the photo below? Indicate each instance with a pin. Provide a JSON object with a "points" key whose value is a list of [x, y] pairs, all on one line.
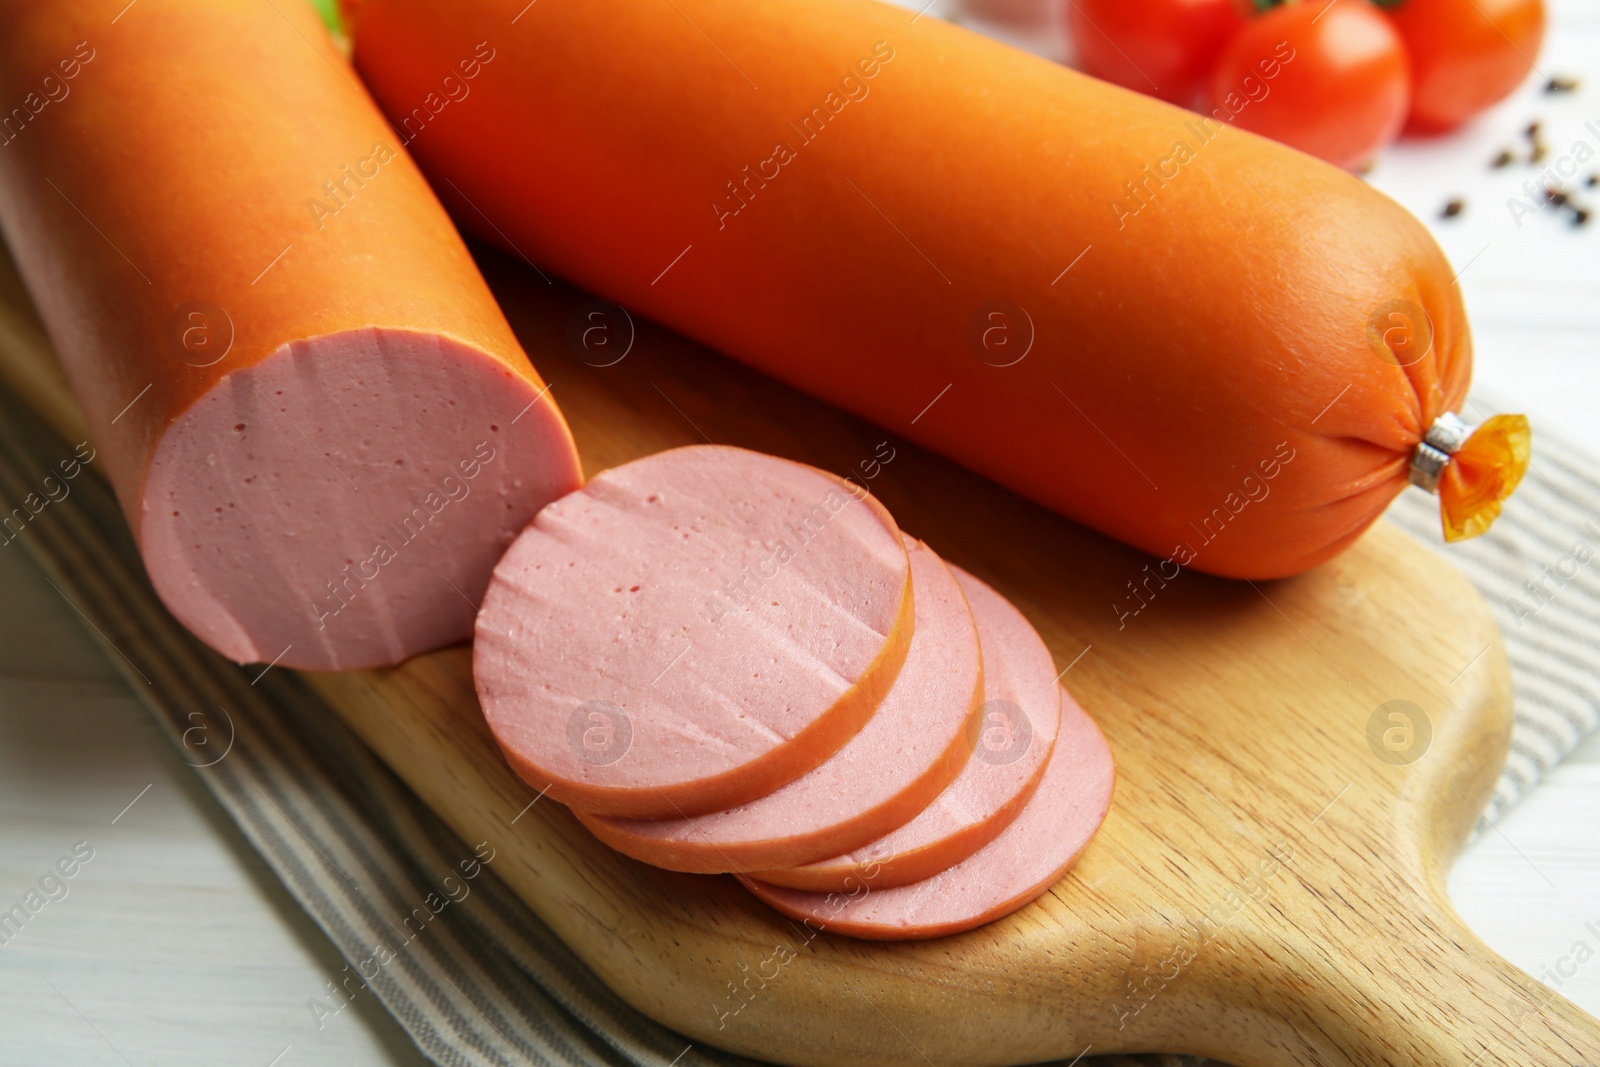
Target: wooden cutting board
{"points": [[1299, 762]]}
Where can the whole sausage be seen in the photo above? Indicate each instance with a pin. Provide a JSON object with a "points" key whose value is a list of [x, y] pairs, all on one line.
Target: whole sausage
{"points": [[1186, 336]]}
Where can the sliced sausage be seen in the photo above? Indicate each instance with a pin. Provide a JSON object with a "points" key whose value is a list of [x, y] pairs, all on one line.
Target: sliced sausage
{"points": [[317, 421], [691, 631], [1021, 714], [910, 750], [1026, 859]]}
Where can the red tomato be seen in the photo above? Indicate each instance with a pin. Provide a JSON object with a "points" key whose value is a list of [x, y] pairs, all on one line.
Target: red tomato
{"points": [[1161, 48], [1465, 55], [1328, 77]]}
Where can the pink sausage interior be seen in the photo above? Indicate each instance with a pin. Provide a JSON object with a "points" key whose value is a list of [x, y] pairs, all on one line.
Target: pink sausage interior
{"points": [[700, 607], [851, 798], [1028, 857], [1022, 713], [342, 503]]}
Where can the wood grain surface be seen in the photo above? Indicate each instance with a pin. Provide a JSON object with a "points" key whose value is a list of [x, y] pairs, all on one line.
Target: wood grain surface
{"points": [[1269, 886]]}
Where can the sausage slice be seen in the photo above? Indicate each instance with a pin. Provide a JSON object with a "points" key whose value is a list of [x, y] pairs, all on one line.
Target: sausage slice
{"points": [[1028, 857], [691, 631], [910, 750], [1021, 714]]}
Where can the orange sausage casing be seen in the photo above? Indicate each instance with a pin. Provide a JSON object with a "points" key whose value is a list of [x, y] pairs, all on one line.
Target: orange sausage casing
{"points": [[316, 418], [1186, 336]]}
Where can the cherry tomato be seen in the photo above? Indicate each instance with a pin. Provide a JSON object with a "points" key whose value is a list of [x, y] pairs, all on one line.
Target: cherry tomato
{"points": [[1328, 77], [1161, 48], [1465, 55]]}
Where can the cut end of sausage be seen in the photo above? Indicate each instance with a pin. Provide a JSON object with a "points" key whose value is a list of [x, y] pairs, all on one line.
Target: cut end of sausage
{"points": [[1019, 865], [908, 752], [342, 503], [691, 631]]}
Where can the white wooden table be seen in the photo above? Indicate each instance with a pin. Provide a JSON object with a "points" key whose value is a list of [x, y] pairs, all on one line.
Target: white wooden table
{"points": [[175, 945]]}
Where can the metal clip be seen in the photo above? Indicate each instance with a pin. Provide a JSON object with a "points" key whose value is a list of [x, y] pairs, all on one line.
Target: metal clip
{"points": [[1443, 440]]}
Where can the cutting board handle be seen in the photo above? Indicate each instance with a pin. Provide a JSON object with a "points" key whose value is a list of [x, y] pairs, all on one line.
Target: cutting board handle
{"points": [[1462, 1005]]}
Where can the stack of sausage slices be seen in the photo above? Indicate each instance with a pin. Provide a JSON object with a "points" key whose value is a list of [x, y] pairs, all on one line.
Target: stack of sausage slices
{"points": [[723, 661]]}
